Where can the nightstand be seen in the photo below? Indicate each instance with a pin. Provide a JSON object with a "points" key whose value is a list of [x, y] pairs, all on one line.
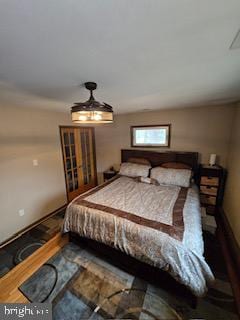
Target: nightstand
{"points": [[211, 184], [108, 174], [208, 221]]}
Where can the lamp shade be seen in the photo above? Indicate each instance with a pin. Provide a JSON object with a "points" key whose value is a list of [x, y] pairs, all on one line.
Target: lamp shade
{"points": [[92, 117], [212, 159], [91, 111]]}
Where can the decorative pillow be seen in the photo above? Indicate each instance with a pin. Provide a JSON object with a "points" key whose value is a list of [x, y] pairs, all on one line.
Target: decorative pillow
{"points": [[134, 170], [139, 161], [147, 180], [176, 165], [177, 177]]}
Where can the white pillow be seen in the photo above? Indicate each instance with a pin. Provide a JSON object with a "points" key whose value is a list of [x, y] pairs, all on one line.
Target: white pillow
{"points": [[176, 177], [134, 170]]}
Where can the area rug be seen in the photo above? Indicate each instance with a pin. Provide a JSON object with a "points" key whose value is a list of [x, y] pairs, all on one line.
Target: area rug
{"points": [[89, 287]]}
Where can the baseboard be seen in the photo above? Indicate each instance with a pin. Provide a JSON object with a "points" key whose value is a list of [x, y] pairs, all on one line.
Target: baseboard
{"points": [[232, 244], [32, 225]]}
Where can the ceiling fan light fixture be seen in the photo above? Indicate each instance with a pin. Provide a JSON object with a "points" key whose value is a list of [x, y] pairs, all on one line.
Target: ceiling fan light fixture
{"points": [[91, 111]]}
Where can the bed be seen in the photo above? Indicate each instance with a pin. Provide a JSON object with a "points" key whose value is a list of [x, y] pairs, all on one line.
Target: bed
{"points": [[159, 225]]}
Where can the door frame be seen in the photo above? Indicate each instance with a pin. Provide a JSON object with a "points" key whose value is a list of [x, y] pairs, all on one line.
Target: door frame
{"points": [[94, 153]]}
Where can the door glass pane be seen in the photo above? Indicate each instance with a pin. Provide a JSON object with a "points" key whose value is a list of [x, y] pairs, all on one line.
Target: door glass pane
{"points": [[75, 173], [66, 139], [70, 181], [68, 164], [67, 151], [73, 151], [71, 138], [74, 162], [69, 176], [71, 187]]}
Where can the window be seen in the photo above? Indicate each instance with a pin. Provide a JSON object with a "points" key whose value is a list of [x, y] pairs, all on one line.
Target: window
{"points": [[150, 136]]}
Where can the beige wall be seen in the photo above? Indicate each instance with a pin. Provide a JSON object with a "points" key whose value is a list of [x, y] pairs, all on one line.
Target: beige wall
{"points": [[204, 129], [25, 135], [232, 191]]}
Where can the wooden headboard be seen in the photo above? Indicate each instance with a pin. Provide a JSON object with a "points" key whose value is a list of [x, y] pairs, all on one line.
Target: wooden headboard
{"points": [[158, 158]]}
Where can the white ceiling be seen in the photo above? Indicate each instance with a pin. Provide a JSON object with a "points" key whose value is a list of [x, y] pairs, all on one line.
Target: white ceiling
{"points": [[144, 54]]}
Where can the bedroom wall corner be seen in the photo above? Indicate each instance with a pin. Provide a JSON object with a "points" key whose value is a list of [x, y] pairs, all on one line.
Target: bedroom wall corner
{"points": [[231, 203]]}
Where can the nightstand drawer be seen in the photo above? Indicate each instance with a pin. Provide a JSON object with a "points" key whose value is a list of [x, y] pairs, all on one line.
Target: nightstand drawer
{"points": [[211, 210], [210, 181], [212, 191], [205, 199]]}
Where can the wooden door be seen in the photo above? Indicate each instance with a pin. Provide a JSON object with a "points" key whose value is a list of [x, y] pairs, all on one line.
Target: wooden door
{"points": [[79, 159]]}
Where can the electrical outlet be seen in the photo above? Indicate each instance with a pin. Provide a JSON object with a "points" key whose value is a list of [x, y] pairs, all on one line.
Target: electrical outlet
{"points": [[35, 162], [21, 212]]}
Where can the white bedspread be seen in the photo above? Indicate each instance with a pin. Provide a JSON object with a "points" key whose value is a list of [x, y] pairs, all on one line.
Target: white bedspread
{"points": [[139, 219]]}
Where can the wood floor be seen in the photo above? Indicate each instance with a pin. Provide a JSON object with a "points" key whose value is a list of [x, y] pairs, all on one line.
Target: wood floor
{"points": [[10, 283]]}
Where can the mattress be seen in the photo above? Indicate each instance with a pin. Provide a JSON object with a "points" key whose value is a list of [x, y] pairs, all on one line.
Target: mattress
{"points": [[159, 225]]}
